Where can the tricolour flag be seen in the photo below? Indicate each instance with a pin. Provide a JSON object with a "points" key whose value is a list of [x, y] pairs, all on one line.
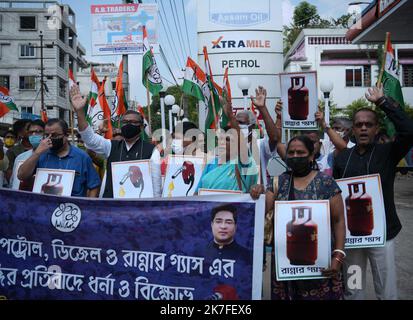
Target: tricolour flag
{"points": [[72, 80], [227, 95], [389, 76], [213, 103], [6, 102], [146, 133], [151, 77], [103, 103], [195, 81], [121, 103], [94, 111]]}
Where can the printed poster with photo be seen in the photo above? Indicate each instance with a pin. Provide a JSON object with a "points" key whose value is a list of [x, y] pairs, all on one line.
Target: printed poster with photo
{"points": [[364, 211], [183, 174], [299, 95], [54, 182], [132, 179], [302, 236]]}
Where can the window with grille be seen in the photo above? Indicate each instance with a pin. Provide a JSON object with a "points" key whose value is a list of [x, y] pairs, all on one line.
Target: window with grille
{"points": [[62, 88], [358, 77], [408, 75], [26, 109], [27, 83], [5, 82], [27, 51]]}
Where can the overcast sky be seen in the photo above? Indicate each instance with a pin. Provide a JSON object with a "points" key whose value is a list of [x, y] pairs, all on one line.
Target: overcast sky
{"points": [[326, 8]]}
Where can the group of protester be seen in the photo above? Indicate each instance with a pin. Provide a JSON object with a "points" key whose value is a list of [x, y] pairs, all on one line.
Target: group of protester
{"points": [[238, 163]]}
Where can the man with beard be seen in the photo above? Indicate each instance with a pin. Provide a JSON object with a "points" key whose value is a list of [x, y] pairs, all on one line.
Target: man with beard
{"points": [[56, 152], [131, 148]]}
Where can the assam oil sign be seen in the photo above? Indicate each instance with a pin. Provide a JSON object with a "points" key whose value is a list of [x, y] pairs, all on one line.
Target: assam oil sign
{"points": [[364, 211]]}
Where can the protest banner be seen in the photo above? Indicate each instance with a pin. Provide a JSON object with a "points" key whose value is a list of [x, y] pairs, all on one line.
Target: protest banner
{"points": [[76, 248], [364, 211]]}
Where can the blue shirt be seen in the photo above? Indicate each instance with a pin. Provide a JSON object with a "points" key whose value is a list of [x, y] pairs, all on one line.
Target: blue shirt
{"points": [[86, 177]]}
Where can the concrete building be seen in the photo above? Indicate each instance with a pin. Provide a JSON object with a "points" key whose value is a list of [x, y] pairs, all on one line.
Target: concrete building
{"points": [[21, 23], [109, 70], [351, 67]]}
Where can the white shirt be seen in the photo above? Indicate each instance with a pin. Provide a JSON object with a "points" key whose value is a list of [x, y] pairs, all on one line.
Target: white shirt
{"points": [[103, 146], [14, 181], [328, 147]]}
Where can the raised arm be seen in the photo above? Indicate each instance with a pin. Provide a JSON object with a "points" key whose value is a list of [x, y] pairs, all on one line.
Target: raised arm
{"points": [[260, 103], [338, 141], [92, 140], [402, 122]]}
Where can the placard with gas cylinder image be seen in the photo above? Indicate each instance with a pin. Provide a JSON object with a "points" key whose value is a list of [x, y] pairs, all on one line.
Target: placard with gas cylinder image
{"points": [[132, 179], [302, 235], [364, 211], [54, 182], [299, 95]]}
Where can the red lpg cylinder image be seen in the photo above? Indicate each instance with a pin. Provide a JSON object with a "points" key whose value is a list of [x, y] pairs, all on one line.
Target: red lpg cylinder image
{"points": [[302, 237], [298, 95], [359, 207], [53, 185]]}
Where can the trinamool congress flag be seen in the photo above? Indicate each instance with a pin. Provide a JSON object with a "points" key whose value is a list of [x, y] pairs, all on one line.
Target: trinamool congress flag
{"points": [[61, 248], [195, 81], [151, 77], [6, 102], [391, 83]]}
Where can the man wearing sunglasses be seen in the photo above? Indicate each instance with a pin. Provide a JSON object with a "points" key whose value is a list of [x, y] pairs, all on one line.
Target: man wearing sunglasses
{"points": [[369, 157]]}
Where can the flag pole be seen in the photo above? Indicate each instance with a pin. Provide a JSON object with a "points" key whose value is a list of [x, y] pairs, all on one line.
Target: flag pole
{"points": [[149, 104], [72, 120], [383, 64]]}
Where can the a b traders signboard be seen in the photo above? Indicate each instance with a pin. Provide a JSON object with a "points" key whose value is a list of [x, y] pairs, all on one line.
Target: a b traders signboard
{"points": [[117, 29]]}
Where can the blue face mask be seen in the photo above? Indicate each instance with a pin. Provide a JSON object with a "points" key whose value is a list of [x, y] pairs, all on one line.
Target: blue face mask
{"points": [[35, 141]]}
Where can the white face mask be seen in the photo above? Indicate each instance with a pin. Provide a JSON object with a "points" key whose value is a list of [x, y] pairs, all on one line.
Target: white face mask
{"points": [[177, 146], [342, 134]]}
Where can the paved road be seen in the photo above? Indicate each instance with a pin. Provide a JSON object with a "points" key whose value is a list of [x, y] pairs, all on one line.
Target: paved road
{"points": [[404, 241]]}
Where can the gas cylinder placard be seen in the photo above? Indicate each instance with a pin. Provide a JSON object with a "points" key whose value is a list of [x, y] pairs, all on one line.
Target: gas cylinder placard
{"points": [[182, 175], [302, 237], [300, 100], [364, 211], [54, 182]]}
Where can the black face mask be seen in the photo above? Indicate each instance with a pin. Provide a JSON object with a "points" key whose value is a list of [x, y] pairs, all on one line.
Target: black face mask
{"points": [[130, 131], [57, 144], [300, 166]]}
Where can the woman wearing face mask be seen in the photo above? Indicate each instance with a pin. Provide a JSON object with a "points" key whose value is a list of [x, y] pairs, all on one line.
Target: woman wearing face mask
{"points": [[303, 181]]}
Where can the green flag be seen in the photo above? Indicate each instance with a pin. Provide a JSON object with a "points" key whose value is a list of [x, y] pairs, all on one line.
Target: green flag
{"points": [[151, 77]]}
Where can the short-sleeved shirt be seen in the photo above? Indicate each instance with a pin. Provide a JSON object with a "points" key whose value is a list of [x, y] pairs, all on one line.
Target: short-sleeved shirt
{"points": [[86, 177], [322, 187]]}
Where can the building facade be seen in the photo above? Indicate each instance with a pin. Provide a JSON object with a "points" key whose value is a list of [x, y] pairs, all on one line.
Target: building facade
{"points": [[352, 68], [109, 70], [21, 23]]}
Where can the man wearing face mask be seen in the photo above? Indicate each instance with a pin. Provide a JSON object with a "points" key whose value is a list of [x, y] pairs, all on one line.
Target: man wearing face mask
{"points": [[55, 152], [23, 144], [342, 126], [133, 147], [9, 140], [36, 132]]}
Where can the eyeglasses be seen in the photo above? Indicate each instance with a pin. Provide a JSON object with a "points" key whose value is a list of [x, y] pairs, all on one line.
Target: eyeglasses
{"points": [[368, 125], [37, 132], [134, 122], [53, 136]]}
